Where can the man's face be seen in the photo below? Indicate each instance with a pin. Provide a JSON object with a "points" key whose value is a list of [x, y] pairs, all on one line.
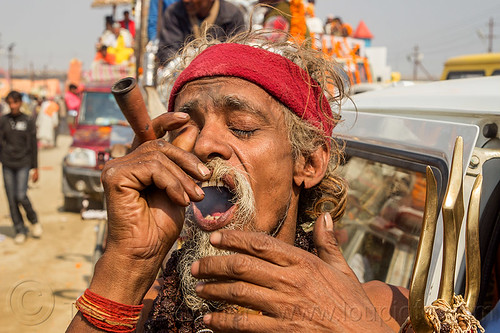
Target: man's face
{"points": [[14, 105], [244, 126], [243, 137], [200, 8]]}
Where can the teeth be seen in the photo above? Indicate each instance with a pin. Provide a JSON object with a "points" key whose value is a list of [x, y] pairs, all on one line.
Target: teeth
{"points": [[218, 183], [213, 218]]}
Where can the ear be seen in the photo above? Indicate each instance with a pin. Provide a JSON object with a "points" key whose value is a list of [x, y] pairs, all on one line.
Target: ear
{"points": [[309, 172]]}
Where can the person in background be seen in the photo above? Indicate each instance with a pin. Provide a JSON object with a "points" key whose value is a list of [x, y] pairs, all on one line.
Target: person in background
{"points": [[187, 19], [122, 48], [73, 101], [310, 9], [328, 24], [153, 16], [108, 37], [3, 107], [19, 155], [127, 23], [47, 122], [285, 16], [103, 56]]}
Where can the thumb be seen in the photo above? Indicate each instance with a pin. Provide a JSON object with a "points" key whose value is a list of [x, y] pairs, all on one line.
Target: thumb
{"points": [[325, 241]]}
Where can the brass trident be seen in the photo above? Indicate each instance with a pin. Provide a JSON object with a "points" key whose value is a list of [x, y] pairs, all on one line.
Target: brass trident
{"points": [[453, 214]]}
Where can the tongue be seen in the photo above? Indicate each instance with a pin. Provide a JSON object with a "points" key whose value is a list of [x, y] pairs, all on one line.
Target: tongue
{"points": [[216, 202]]}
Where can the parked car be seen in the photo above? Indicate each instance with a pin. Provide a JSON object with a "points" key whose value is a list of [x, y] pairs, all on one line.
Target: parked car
{"points": [[471, 65], [390, 136], [99, 126]]}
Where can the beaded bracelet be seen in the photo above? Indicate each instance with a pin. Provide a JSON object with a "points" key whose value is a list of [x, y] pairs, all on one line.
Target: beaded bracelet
{"points": [[108, 315]]}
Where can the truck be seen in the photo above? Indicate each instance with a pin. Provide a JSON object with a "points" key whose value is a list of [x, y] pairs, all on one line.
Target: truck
{"points": [[102, 132]]}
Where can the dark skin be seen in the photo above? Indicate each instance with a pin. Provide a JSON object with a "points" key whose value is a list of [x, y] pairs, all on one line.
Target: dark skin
{"points": [[147, 191]]}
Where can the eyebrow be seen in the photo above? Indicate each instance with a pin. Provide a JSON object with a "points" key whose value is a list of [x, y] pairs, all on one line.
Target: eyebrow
{"points": [[229, 104], [234, 104], [189, 107]]}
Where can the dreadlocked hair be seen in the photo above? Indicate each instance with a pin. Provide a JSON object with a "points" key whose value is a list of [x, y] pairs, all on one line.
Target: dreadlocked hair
{"points": [[330, 194]]}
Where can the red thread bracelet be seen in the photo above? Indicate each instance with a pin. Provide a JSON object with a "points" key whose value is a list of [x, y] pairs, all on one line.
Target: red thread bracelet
{"points": [[108, 315]]}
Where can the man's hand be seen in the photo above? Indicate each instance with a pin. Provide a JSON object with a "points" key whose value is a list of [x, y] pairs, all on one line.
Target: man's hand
{"points": [[146, 195], [34, 176], [295, 290]]}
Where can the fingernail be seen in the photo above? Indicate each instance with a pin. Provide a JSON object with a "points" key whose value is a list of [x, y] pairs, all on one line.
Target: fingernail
{"points": [[215, 238], [207, 318], [199, 286], [203, 169], [181, 115], [195, 267], [328, 222], [199, 191], [186, 198]]}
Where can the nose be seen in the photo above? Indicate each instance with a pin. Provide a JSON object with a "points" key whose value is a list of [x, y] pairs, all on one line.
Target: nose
{"points": [[212, 142]]}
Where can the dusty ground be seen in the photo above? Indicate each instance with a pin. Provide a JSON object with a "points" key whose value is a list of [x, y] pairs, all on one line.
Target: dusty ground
{"points": [[40, 280]]}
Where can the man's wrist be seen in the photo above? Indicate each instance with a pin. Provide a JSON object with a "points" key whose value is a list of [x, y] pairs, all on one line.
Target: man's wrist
{"points": [[131, 279]]}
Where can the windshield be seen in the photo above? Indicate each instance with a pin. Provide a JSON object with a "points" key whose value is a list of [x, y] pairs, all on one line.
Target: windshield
{"points": [[100, 108]]}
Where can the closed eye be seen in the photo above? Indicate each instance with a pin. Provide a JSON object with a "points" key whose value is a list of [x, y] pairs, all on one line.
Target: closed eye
{"points": [[245, 134]]}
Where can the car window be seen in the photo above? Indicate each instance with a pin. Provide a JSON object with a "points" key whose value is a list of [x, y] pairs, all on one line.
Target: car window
{"points": [[100, 109], [464, 74], [380, 230]]}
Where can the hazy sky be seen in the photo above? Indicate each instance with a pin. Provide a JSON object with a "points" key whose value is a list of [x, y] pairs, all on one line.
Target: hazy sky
{"points": [[51, 32]]}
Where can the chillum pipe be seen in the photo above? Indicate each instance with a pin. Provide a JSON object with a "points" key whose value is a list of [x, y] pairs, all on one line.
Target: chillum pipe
{"points": [[129, 99]]}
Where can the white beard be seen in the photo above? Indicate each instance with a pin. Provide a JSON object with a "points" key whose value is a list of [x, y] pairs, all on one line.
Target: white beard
{"points": [[198, 244]]}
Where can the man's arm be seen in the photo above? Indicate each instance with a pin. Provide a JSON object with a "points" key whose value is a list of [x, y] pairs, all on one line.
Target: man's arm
{"points": [[34, 149], [146, 195]]}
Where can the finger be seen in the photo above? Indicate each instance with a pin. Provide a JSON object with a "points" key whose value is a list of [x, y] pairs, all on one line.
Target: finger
{"points": [[186, 138], [327, 245], [165, 122], [155, 169], [237, 267], [240, 293], [241, 322], [258, 245], [186, 161], [169, 121], [324, 239]]}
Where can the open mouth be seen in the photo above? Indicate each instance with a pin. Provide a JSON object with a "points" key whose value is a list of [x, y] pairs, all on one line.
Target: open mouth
{"points": [[217, 208]]}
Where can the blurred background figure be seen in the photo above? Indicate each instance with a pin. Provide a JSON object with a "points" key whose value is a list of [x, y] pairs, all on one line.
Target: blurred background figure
{"points": [[19, 154], [288, 17], [122, 46], [107, 37], [153, 16], [185, 19], [103, 56], [47, 122], [73, 101], [127, 23]]}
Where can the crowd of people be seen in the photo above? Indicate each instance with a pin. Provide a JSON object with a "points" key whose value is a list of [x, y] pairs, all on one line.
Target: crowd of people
{"points": [[115, 45]]}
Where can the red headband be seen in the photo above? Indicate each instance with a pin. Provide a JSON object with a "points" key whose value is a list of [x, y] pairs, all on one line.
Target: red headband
{"points": [[277, 75]]}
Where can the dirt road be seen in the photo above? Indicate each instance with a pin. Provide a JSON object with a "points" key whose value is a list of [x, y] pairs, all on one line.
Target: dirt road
{"points": [[40, 280]]}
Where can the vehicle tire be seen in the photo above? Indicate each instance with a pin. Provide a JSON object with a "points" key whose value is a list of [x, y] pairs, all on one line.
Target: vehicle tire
{"points": [[72, 204]]}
